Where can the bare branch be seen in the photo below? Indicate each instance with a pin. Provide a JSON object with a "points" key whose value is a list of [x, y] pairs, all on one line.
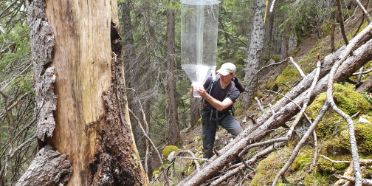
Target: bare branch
{"points": [[333, 161], [366, 182], [147, 137], [260, 105], [272, 110], [146, 142], [364, 11], [297, 67], [360, 75], [193, 157], [272, 6], [362, 72], [299, 145], [341, 21], [272, 64], [241, 166], [29, 140], [271, 141], [330, 100], [297, 119], [6, 84], [315, 155]]}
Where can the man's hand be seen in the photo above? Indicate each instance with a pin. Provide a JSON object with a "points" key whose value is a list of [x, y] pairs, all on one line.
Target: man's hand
{"points": [[202, 92], [218, 105]]}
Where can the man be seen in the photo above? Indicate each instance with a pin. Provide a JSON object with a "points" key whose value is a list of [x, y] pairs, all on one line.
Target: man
{"points": [[219, 96]]}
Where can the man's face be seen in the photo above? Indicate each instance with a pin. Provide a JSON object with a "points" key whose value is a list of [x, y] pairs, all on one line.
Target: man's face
{"points": [[227, 79]]}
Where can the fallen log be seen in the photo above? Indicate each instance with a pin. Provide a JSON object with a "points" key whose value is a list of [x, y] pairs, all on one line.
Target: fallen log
{"points": [[285, 109]]}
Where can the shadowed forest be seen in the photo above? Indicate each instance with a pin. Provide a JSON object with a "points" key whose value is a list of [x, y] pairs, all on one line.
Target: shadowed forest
{"points": [[94, 93]]}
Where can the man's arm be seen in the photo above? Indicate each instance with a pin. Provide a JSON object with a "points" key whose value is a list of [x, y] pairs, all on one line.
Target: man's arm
{"points": [[218, 105]]}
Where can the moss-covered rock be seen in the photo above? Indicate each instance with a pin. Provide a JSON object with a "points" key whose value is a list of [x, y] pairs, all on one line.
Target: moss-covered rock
{"points": [[267, 168], [168, 149], [363, 135], [326, 167], [348, 100]]}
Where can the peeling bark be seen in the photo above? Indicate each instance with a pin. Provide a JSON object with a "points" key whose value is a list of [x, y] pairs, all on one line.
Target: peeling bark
{"points": [[42, 48], [48, 168]]}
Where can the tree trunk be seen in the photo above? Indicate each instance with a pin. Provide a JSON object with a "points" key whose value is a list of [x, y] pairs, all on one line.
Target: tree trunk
{"points": [[285, 109], [131, 75], [89, 120], [173, 123], [268, 36], [254, 52]]}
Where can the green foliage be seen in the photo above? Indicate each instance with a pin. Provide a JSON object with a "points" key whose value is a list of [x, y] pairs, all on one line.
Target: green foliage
{"points": [[233, 31], [16, 43], [364, 137], [303, 17]]}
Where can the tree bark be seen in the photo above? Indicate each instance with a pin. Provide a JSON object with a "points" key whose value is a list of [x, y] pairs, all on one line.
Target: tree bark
{"points": [[284, 110], [49, 167], [131, 75], [173, 123], [366, 86], [89, 121], [254, 52]]}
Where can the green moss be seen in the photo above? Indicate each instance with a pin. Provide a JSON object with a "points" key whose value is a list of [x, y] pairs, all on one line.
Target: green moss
{"points": [[349, 100], [303, 159], [363, 135], [316, 179], [332, 122], [326, 167], [267, 168], [288, 77], [336, 146], [168, 149]]}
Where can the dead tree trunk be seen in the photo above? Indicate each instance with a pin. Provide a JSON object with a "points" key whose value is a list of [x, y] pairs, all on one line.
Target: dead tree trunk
{"points": [[286, 109], [255, 52], [76, 58]]}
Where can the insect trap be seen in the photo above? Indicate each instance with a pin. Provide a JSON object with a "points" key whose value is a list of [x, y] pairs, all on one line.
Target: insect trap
{"points": [[199, 30]]}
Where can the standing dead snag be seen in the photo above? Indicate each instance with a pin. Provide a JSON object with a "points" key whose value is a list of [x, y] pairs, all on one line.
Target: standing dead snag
{"points": [[75, 46]]}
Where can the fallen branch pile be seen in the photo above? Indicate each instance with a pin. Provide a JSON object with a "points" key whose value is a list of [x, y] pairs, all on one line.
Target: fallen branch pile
{"points": [[335, 67]]}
